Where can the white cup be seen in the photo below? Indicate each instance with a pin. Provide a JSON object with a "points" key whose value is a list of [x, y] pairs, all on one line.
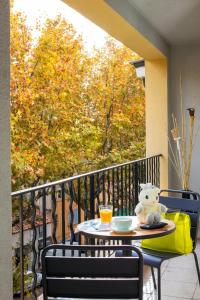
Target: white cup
{"points": [[122, 223]]}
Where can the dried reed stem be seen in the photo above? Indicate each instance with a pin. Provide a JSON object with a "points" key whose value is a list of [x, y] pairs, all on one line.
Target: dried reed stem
{"points": [[174, 156], [184, 142], [177, 171], [182, 157], [191, 112], [177, 139]]}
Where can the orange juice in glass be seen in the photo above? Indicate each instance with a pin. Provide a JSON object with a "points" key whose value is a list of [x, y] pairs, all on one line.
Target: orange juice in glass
{"points": [[105, 213]]}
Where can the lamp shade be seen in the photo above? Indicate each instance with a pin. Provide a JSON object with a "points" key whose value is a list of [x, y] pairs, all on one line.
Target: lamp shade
{"points": [[139, 67]]}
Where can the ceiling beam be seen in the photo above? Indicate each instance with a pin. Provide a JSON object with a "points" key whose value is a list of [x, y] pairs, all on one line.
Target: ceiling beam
{"points": [[103, 15]]}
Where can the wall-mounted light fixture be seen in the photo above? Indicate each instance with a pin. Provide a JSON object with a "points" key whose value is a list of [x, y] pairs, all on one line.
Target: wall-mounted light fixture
{"points": [[139, 68]]}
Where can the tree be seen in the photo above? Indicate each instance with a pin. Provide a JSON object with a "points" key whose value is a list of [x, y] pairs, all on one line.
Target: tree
{"points": [[115, 99], [71, 112], [21, 47], [44, 119]]}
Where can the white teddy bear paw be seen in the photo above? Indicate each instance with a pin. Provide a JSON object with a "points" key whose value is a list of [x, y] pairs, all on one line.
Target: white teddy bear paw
{"points": [[150, 219], [157, 217]]}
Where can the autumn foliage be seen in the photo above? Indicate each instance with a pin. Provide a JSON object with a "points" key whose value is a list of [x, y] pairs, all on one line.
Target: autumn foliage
{"points": [[70, 111]]}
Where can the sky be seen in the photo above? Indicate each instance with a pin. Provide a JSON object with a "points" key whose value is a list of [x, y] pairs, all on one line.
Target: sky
{"points": [[41, 9]]}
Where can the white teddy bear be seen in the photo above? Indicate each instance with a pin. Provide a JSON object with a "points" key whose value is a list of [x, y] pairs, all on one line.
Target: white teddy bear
{"points": [[149, 210]]}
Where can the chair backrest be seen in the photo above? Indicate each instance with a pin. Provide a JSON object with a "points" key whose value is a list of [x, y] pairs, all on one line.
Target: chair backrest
{"points": [[92, 276], [190, 205]]}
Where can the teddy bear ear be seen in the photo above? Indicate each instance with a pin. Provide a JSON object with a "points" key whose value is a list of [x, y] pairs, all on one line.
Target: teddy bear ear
{"points": [[149, 185], [142, 185], [157, 190]]}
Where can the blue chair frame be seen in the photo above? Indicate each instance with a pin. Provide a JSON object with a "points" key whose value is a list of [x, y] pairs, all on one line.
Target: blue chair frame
{"points": [[189, 205]]}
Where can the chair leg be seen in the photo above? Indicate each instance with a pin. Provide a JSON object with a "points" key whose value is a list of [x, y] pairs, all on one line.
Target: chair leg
{"points": [[154, 279], [197, 265], [159, 284]]}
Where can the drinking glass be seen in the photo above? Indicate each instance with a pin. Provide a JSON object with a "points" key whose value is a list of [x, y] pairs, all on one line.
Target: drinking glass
{"points": [[105, 213]]}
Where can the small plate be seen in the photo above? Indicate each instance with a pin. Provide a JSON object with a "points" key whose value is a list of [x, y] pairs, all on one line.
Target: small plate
{"points": [[114, 229]]}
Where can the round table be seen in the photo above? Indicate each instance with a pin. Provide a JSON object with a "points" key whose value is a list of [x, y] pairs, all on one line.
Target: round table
{"points": [[90, 229]]}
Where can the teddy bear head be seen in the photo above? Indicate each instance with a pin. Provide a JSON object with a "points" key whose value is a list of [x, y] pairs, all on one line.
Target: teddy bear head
{"points": [[149, 194]]}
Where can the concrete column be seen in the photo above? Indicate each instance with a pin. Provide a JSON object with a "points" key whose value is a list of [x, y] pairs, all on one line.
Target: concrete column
{"points": [[5, 186], [156, 90]]}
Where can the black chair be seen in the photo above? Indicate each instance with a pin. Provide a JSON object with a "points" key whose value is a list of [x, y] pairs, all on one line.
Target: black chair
{"points": [[89, 275], [191, 206]]}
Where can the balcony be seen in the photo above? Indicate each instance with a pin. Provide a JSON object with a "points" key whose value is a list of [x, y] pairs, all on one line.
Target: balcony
{"points": [[169, 43], [57, 207]]}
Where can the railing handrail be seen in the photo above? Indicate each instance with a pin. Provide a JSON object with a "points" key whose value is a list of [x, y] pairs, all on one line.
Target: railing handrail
{"points": [[61, 181]]}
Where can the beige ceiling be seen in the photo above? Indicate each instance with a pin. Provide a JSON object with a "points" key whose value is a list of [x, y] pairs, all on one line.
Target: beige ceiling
{"points": [[177, 21]]}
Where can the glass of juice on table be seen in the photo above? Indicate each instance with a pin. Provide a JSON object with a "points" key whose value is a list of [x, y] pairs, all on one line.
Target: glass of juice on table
{"points": [[105, 214]]}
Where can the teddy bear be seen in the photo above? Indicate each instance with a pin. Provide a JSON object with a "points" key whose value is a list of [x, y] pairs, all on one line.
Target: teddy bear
{"points": [[149, 210]]}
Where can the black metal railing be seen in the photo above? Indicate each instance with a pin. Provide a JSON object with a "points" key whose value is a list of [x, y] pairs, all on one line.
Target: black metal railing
{"points": [[52, 210]]}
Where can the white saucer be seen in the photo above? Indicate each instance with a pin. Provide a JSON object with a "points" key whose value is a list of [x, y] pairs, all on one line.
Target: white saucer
{"points": [[115, 229]]}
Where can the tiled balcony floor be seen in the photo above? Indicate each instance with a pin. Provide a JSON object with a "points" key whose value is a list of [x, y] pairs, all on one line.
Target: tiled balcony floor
{"points": [[179, 280]]}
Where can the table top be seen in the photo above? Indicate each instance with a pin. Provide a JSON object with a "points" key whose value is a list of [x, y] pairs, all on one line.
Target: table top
{"points": [[91, 228]]}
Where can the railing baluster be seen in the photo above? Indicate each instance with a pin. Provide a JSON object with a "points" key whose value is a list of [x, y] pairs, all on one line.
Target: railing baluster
{"points": [[98, 190], [153, 182], [129, 188], [54, 218], [21, 219], [139, 174], [85, 199], [44, 224], [79, 208], [147, 170], [122, 191], [154, 161], [103, 185], [133, 186], [92, 204], [108, 178], [71, 211], [159, 172], [143, 177], [63, 212], [113, 190], [126, 199], [153, 169], [136, 183], [79, 200], [33, 218], [118, 191], [144, 172], [150, 170]]}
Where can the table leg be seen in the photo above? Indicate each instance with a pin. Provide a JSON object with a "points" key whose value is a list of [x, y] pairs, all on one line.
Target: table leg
{"points": [[127, 252]]}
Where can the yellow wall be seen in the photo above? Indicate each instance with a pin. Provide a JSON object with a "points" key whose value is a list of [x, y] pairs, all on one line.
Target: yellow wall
{"points": [[157, 113]]}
